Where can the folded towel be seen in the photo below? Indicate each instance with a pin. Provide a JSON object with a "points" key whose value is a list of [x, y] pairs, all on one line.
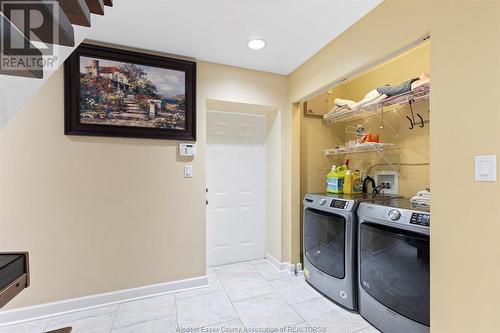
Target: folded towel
{"points": [[420, 200], [424, 194], [345, 102], [423, 198], [335, 110]]}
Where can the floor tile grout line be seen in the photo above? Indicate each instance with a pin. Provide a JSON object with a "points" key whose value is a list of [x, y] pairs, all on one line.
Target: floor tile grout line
{"points": [[186, 297], [47, 325], [275, 291], [114, 318], [243, 299], [146, 321], [307, 300], [52, 318], [369, 325], [244, 275], [254, 297], [143, 322], [176, 314], [225, 292], [290, 306], [230, 301]]}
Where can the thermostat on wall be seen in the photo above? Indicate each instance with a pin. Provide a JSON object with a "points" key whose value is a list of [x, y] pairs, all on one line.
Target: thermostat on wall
{"points": [[187, 149]]}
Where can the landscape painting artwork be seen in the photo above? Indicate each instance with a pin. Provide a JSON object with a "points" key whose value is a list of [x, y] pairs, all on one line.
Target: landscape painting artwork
{"points": [[122, 93], [125, 94]]}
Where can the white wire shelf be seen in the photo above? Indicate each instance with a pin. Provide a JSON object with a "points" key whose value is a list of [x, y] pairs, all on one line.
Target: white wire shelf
{"points": [[393, 103], [369, 147]]}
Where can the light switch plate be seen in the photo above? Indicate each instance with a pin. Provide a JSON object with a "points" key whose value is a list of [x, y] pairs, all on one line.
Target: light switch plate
{"points": [[188, 171], [486, 168]]}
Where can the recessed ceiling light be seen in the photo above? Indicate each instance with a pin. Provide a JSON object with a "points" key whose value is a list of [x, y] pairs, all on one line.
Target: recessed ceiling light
{"points": [[256, 44]]}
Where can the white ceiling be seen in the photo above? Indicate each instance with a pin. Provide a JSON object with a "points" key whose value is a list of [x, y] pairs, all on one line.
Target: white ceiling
{"points": [[218, 30]]}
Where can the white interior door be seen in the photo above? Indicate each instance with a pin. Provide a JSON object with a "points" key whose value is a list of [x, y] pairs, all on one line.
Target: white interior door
{"points": [[236, 182]]}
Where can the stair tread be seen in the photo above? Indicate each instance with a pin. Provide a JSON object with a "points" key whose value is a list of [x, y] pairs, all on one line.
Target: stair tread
{"points": [[77, 11], [96, 6]]}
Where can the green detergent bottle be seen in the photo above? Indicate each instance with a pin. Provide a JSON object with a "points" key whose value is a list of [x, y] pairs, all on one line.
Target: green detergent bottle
{"points": [[335, 179]]}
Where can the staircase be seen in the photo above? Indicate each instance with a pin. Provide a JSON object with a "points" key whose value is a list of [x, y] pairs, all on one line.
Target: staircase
{"points": [[69, 19]]}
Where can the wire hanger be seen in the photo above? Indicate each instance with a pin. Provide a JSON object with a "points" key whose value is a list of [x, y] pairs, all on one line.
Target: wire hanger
{"points": [[412, 120]]}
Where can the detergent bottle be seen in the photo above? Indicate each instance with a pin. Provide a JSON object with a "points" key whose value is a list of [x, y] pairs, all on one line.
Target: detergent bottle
{"points": [[357, 182], [335, 179], [348, 189], [331, 180], [352, 182]]}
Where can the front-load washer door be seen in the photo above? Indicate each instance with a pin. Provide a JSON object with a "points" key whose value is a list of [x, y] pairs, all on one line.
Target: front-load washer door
{"points": [[324, 241], [394, 269]]}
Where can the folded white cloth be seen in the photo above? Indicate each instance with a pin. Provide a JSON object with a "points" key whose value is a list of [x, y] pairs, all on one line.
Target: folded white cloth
{"points": [[425, 193], [422, 198], [340, 102], [336, 110]]}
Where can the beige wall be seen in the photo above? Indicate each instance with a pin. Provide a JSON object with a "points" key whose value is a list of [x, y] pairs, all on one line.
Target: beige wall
{"points": [[103, 214], [465, 63]]}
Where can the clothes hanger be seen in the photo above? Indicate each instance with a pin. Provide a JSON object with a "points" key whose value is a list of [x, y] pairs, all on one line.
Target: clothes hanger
{"points": [[421, 124], [412, 119]]}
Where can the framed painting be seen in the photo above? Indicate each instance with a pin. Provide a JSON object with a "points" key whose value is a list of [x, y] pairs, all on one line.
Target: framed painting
{"points": [[112, 92]]}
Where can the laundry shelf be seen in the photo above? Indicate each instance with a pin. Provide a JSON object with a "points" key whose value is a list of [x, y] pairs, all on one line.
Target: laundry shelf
{"points": [[393, 103], [369, 147]]}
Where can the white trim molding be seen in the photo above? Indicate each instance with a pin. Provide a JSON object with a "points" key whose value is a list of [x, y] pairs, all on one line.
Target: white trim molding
{"points": [[281, 266], [9, 317]]}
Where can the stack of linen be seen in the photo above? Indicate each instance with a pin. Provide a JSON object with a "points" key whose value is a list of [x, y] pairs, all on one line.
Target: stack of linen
{"points": [[422, 199]]}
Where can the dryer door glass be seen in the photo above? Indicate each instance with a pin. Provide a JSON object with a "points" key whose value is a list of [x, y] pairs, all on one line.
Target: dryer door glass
{"points": [[394, 269], [324, 241]]}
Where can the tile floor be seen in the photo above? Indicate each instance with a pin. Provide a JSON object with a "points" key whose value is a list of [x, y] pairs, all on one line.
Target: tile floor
{"points": [[251, 295]]}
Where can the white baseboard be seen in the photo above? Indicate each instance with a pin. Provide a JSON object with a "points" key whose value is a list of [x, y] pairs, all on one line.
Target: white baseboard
{"points": [[76, 304], [281, 266]]}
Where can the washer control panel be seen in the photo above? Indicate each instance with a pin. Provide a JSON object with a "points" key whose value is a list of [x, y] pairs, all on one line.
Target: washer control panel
{"points": [[408, 217], [421, 219], [393, 216]]}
